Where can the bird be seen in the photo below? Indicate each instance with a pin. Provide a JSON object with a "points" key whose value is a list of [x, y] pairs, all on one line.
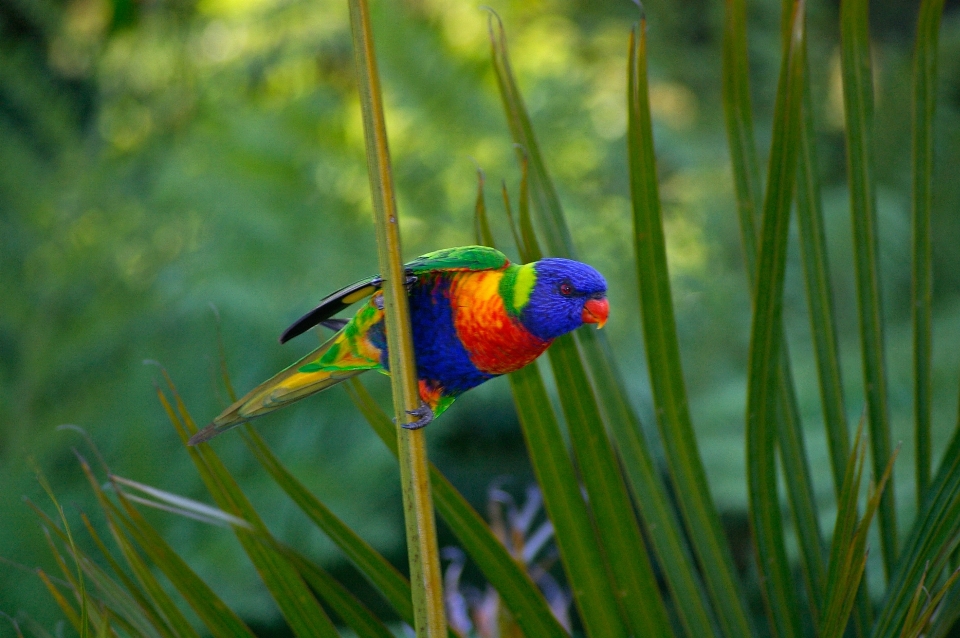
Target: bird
{"points": [[474, 316]]}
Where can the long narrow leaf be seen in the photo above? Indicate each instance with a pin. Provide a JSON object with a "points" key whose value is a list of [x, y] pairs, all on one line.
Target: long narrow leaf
{"points": [[766, 338], [858, 108], [394, 587], [924, 109], [617, 530], [297, 604], [663, 360], [517, 591], [579, 551], [746, 178]]}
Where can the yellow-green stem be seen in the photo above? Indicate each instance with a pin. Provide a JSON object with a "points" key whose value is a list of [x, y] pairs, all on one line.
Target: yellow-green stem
{"points": [[421, 528]]}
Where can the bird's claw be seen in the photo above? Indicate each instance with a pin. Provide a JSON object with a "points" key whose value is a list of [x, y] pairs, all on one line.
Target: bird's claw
{"points": [[424, 416]]}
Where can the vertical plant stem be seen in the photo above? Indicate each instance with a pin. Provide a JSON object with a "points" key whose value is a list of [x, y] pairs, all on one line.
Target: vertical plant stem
{"points": [[425, 581], [766, 339], [924, 108], [664, 362], [858, 107]]}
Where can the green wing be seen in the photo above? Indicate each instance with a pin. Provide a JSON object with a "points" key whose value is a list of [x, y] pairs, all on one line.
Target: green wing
{"points": [[457, 259], [450, 259]]}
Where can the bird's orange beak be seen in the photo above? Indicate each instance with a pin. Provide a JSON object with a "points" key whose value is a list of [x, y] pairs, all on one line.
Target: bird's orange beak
{"points": [[596, 311]]}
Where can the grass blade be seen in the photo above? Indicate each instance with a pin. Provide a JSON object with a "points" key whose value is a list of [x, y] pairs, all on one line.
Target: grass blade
{"points": [[924, 109], [617, 527], [215, 615], [858, 108], [579, 549], [813, 251], [297, 604], [555, 232], [766, 338], [517, 590], [934, 534], [746, 177], [357, 616], [394, 587], [663, 360], [617, 530]]}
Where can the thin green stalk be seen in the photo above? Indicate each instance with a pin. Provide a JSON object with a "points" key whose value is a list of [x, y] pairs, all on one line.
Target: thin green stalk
{"points": [[425, 580], [767, 337], [858, 107], [746, 176], [924, 108], [663, 360], [813, 252]]}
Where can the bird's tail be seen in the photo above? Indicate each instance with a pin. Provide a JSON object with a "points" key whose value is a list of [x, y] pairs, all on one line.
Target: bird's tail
{"points": [[281, 390]]}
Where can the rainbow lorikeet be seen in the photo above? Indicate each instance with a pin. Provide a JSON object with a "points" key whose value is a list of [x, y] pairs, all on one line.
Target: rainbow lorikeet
{"points": [[473, 314]]}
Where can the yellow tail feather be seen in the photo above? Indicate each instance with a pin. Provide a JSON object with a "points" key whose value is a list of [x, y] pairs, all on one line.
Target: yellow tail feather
{"points": [[281, 390]]}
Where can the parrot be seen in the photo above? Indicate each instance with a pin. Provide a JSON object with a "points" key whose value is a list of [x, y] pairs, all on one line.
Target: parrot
{"points": [[473, 315]]}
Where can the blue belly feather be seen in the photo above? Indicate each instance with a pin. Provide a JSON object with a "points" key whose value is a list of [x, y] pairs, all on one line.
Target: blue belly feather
{"points": [[441, 357]]}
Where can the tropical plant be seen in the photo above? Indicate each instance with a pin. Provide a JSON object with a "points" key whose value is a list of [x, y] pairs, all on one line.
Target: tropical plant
{"points": [[643, 551]]}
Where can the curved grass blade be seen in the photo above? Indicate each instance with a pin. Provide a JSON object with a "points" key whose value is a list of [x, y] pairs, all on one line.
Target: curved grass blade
{"points": [[813, 251], [155, 620], [215, 615], [848, 551], [858, 108], [934, 534], [646, 483], [766, 338], [617, 527], [746, 177], [357, 616], [83, 629], [297, 604], [924, 109], [579, 549], [617, 530], [394, 587], [555, 231], [517, 591], [663, 359]]}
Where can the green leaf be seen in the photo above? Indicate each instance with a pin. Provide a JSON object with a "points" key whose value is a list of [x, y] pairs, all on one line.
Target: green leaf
{"points": [[517, 591], [351, 610], [297, 604], [848, 551], [858, 108], [746, 173], [579, 549], [931, 540], [394, 587], [666, 373], [215, 615], [764, 374], [924, 110]]}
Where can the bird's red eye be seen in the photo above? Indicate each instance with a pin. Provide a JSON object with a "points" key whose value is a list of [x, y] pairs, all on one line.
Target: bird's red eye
{"points": [[566, 289]]}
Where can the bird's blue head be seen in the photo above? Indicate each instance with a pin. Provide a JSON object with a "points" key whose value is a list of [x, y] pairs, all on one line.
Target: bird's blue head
{"points": [[563, 295]]}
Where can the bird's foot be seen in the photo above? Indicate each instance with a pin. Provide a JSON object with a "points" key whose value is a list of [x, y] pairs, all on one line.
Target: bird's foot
{"points": [[424, 416]]}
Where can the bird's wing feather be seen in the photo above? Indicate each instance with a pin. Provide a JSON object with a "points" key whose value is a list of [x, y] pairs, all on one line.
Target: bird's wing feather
{"points": [[459, 259], [331, 305], [449, 259]]}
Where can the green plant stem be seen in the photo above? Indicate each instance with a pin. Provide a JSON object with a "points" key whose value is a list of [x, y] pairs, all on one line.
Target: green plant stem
{"points": [[924, 109], [858, 106], [425, 581]]}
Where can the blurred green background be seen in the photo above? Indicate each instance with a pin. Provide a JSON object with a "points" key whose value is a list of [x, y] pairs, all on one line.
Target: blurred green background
{"points": [[158, 157]]}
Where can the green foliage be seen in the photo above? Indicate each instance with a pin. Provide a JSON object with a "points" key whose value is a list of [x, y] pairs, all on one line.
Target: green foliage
{"points": [[204, 136]]}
